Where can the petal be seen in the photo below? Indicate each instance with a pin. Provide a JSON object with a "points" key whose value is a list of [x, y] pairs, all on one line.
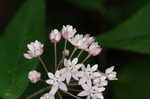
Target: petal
{"points": [[30, 47], [75, 76], [57, 73], [85, 87], [27, 56], [97, 74], [88, 66], [78, 66], [49, 82], [54, 89], [74, 61], [68, 77], [109, 70], [100, 96], [50, 75], [95, 67], [82, 81], [83, 93], [88, 97], [63, 86]]}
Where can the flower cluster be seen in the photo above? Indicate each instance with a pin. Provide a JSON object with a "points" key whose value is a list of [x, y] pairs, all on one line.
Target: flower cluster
{"points": [[71, 71]]}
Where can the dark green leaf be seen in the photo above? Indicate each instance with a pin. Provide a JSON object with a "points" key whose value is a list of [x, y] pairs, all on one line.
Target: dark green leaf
{"points": [[133, 80], [28, 25], [134, 34]]}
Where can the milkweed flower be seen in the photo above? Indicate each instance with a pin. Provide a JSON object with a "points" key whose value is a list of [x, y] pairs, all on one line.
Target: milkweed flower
{"points": [[75, 41], [68, 31], [35, 50], [92, 92], [34, 76], [88, 74], [56, 81], [85, 42], [94, 49], [55, 36], [71, 70], [111, 74]]}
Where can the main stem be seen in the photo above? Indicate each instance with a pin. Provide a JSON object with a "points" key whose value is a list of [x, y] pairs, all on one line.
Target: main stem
{"points": [[55, 51], [43, 64], [38, 92]]}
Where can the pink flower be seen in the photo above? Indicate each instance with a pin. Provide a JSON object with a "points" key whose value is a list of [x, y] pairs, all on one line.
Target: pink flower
{"points": [[81, 42], [85, 42], [55, 36], [35, 50], [68, 31], [94, 49], [75, 41], [34, 76]]}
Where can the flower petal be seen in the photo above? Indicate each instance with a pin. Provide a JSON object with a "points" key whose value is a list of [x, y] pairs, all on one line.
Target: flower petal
{"points": [[50, 75], [83, 93], [95, 67], [109, 70], [63, 86], [74, 61], [68, 77]]}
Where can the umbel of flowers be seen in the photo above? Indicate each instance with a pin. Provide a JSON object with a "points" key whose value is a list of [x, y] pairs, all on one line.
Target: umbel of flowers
{"points": [[70, 71]]}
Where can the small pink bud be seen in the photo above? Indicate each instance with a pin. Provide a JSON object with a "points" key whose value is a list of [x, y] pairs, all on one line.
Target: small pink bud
{"points": [[55, 36], [94, 49], [66, 52], [34, 76]]}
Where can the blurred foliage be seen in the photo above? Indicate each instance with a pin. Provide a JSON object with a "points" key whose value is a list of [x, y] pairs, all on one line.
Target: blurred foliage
{"points": [[133, 80], [14, 67], [134, 34], [119, 24], [96, 4]]}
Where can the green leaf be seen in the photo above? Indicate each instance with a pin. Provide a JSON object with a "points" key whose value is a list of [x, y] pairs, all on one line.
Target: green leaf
{"points": [[96, 4], [28, 25], [134, 34], [133, 80]]}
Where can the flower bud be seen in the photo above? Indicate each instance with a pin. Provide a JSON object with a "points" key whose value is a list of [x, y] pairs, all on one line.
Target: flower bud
{"points": [[66, 52], [34, 76], [55, 36]]}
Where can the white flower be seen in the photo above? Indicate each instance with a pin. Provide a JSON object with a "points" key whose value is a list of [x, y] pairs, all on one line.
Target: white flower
{"points": [[35, 50], [34, 76], [92, 92], [71, 69], [111, 74], [47, 96], [100, 80], [56, 81], [55, 36], [94, 49], [88, 73], [68, 31]]}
